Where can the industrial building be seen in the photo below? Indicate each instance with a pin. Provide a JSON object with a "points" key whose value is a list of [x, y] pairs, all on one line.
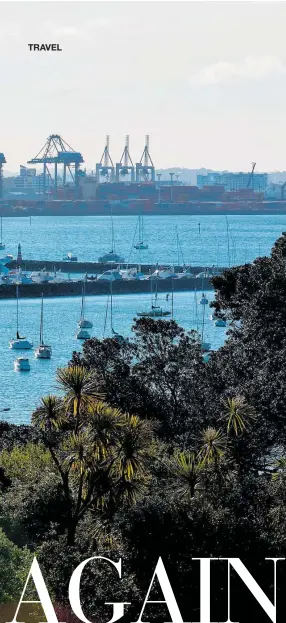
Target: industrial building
{"points": [[234, 181]]}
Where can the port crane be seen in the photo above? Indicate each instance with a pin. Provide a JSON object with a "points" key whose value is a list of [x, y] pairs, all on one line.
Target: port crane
{"points": [[2, 162], [145, 170], [57, 152], [251, 175], [105, 168], [125, 167]]}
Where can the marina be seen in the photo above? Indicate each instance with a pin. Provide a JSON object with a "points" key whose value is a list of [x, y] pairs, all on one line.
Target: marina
{"points": [[21, 393], [175, 251]]}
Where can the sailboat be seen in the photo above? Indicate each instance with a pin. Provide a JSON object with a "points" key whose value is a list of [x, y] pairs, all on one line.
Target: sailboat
{"points": [[205, 346], [111, 256], [83, 323], [2, 245], [20, 343], [140, 245], [156, 311], [43, 351], [119, 338]]}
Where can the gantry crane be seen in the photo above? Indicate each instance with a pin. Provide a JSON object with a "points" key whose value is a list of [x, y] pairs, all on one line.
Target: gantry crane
{"points": [[125, 167], [105, 168], [145, 170], [56, 152], [2, 162]]}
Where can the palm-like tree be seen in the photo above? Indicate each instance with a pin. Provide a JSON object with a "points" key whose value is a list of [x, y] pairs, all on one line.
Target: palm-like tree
{"points": [[238, 414], [280, 470], [213, 446], [80, 386], [135, 446], [104, 425], [186, 468], [49, 415]]}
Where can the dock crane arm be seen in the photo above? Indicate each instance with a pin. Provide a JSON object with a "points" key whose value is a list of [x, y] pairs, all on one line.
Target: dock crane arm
{"points": [[251, 174]]}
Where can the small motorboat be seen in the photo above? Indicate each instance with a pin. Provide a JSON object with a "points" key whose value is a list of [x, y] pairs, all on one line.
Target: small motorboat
{"points": [[22, 364], [110, 275], [83, 334], [164, 273], [70, 258], [41, 276]]}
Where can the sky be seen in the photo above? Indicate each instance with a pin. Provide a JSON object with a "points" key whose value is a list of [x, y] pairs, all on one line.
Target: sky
{"points": [[206, 81]]}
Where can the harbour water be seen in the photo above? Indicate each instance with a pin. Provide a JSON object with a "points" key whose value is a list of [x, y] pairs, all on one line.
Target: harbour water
{"points": [[204, 240], [21, 391]]}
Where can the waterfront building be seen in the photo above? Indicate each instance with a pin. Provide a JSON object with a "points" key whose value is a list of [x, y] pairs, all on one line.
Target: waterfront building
{"points": [[234, 181]]}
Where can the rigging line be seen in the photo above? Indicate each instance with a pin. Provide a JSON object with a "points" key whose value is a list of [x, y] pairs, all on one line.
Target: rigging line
{"points": [[106, 312], [132, 245]]}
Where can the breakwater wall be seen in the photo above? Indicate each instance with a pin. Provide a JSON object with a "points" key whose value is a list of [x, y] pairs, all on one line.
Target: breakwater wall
{"points": [[92, 268], [74, 288]]}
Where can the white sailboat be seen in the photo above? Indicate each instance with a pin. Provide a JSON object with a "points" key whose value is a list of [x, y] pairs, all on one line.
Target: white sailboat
{"points": [[43, 351], [156, 311], [140, 245], [111, 256], [19, 343], [83, 323], [2, 245], [205, 346], [119, 338]]}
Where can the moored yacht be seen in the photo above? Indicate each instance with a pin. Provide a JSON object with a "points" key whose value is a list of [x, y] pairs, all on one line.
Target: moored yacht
{"points": [[83, 334], [83, 323], [19, 343], [203, 300], [155, 312], [43, 351]]}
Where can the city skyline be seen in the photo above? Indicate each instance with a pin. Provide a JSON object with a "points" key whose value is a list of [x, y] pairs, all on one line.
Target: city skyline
{"points": [[205, 80]]}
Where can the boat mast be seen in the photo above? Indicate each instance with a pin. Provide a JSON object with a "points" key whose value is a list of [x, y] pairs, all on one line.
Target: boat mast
{"points": [[111, 307], [1, 231], [82, 302], [17, 295], [41, 324], [112, 233]]}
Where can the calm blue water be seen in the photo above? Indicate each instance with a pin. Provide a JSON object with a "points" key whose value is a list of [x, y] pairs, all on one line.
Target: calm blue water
{"points": [[202, 241], [88, 237], [21, 391]]}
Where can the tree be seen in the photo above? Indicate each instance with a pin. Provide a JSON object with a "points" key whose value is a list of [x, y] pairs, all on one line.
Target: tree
{"points": [[100, 453], [14, 566]]}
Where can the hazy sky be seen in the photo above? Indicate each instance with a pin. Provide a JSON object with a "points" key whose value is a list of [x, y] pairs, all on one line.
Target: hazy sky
{"points": [[207, 81]]}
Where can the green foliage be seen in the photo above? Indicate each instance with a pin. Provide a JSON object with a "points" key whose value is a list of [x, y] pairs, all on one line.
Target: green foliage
{"points": [[14, 566], [24, 464]]}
